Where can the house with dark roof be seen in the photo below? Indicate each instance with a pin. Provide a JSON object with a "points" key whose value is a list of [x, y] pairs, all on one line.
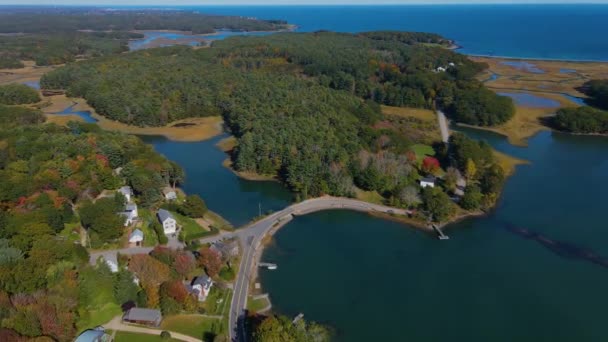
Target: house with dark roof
{"points": [[150, 317], [228, 249], [168, 221], [201, 286]]}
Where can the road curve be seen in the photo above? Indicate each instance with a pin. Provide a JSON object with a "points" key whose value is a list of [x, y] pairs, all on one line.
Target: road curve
{"points": [[252, 235]]}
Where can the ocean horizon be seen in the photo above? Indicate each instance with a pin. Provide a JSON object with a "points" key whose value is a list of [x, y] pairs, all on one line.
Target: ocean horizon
{"points": [[547, 32]]}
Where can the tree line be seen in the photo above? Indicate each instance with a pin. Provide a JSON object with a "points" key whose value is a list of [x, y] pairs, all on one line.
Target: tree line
{"points": [[51, 37], [592, 119]]}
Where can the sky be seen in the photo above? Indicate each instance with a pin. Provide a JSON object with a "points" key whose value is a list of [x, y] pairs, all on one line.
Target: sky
{"points": [[278, 2]]}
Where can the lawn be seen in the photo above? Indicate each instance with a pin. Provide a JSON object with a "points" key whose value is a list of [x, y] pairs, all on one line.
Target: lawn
{"points": [[71, 232], [123, 336], [218, 301], [422, 151], [190, 229], [193, 325], [369, 196], [150, 238], [100, 316], [255, 305]]}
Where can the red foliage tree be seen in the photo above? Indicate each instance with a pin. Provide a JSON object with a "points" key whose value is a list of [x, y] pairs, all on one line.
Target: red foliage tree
{"points": [[211, 260], [184, 263], [176, 290], [430, 165]]}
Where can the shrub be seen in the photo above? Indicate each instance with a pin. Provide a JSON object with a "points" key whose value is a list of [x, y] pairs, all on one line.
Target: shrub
{"points": [[165, 335]]}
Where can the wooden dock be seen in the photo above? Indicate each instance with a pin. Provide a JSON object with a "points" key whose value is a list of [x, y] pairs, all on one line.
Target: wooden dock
{"points": [[440, 234]]}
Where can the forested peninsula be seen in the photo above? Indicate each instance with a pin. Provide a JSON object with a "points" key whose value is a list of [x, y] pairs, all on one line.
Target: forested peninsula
{"points": [[590, 119], [306, 107], [52, 36]]}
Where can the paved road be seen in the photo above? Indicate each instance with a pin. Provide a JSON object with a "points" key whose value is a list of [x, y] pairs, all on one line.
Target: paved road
{"points": [[252, 236], [443, 126], [111, 254]]}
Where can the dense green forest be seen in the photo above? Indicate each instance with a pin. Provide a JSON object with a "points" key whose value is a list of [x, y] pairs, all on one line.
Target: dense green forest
{"points": [[586, 119], [14, 94], [52, 36], [51, 49], [303, 106]]}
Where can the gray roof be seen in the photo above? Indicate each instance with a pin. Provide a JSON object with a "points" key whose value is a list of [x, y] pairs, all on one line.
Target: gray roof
{"points": [[135, 233], [202, 280], [90, 336], [163, 215], [139, 314], [428, 179], [131, 207]]}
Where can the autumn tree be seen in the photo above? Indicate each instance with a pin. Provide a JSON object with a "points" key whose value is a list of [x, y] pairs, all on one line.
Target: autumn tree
{"points": [[211, 260], [430, 165], [151, 273], [470, 169], [184, 263]]}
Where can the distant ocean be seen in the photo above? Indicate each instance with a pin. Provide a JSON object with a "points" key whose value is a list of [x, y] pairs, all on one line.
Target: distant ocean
{"points": [[571, 32]]}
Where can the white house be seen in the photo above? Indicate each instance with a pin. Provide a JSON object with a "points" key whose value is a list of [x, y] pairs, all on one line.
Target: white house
{"points": [[130, 214], [168, 222], [170, 194], [427, 181], [127, 192], [111, 260], [137, 237], [201, 286]]}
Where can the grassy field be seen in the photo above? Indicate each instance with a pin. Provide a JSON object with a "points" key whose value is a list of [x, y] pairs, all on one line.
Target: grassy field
{"points": [[123, 336], [218, 301], [99, 316], [193, 325], [255, 305], [550, 82], [369, 196], [150, 237], [190, 228], [422, 150], [417, 124]]}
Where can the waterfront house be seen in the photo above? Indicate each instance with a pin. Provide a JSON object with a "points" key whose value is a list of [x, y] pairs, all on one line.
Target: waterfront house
{"points": [[201, 286], [427, 182], [150, 317], [136, 238], [168, 221], [170, 194], [93, 335], [127, 192]]}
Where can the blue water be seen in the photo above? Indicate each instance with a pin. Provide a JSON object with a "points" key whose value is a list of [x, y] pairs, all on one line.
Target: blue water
{"points": [[192, 40], [567, 71], [574, 32], [531, 101], [86, 115], [577, 100], [524, 66]]}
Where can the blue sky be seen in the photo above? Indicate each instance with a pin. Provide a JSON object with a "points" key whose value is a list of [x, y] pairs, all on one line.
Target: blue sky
{"points": [[277, 2]]}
